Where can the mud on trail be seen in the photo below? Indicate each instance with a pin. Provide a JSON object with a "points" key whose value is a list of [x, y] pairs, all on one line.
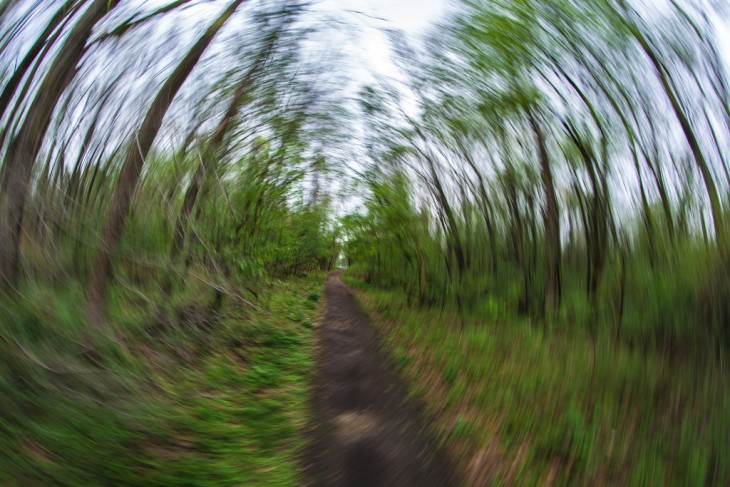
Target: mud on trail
{"points": [[368, 432]]}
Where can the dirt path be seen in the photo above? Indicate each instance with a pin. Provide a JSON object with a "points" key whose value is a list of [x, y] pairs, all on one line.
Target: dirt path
{"points": [[369, 433]]}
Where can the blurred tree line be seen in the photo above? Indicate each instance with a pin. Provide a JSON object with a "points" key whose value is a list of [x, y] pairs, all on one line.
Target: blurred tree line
{"points": [[561, 160], [111, 171], [163, 169]]}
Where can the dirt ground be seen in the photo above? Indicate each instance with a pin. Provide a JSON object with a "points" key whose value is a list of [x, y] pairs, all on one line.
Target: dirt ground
{"points": [[368, 433]]}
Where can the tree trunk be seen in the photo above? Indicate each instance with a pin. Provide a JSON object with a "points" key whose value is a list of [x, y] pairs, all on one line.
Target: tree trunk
{"points": [[552, 222], [421, 278], [684, 122], [137, 152], [664, 198], [211, 152], [645, 210], [622, 291], [25, 146], [596, 220], [46, 37]]}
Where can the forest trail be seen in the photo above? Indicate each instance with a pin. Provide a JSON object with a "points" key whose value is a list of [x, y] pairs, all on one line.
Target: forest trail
{"points": [[368, 432]]}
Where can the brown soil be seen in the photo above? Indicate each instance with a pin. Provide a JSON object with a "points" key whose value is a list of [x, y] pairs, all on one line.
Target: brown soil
{"points": [[368, 432]]}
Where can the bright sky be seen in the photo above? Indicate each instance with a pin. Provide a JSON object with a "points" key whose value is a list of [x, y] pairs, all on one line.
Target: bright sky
{"points": [[365, 22], [356, 27], [414, 17], [368, 46]]}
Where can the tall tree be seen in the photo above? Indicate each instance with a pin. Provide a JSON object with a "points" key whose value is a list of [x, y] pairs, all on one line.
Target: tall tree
{"points": [[134, 161], [26, 144], [47, 37]]}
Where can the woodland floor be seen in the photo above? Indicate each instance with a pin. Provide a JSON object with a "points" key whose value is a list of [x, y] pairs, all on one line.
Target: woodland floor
{"points": [[368, 432]]}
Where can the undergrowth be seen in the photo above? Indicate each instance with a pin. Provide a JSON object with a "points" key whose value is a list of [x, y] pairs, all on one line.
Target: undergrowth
{"points": [[520, 405], [186, 397]]}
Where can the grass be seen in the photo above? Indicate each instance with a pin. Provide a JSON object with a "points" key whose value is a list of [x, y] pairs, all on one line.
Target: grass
{"points": [[199, 401], [517, 406]]}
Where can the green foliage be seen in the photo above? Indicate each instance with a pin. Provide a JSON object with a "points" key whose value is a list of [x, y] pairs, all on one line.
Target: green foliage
{"points": [[154, 410], [501, 197], [548, 198], [558, 406]]}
